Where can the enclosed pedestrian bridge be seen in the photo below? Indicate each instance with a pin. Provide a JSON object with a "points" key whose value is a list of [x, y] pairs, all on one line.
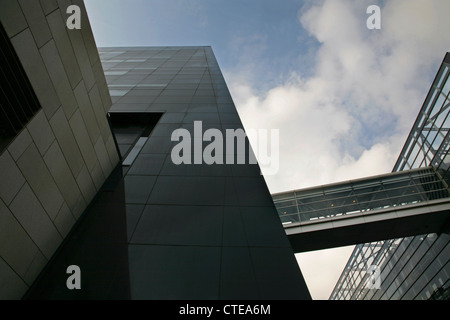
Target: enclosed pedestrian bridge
{"points": [[376, 208]]}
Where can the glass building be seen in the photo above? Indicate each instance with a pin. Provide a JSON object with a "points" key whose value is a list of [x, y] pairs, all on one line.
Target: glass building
{"points": [[88, 179], [414, 267], [175, 231]]}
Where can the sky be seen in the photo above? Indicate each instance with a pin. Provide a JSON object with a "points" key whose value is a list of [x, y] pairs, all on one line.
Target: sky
{"points": [[342, 96]]}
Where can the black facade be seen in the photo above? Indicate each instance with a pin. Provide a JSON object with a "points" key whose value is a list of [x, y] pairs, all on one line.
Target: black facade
{"points": [[160, 230]]}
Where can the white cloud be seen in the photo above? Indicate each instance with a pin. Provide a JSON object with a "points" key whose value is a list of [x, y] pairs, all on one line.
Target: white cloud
{"points": [[365, 81], [351, 117], [319, 277]]}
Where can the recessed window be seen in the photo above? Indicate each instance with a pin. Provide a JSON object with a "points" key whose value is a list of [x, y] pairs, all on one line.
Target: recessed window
{"points": [[131, 130], [115, 73], [18, 102], [118, 93]]}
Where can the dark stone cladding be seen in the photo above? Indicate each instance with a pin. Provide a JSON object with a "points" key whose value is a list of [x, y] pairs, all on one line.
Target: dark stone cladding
{"points": [[164, 231]]}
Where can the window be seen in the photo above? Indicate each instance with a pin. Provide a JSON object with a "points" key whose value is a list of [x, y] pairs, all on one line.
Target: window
{"points": [[131, 130], [18, 102]]}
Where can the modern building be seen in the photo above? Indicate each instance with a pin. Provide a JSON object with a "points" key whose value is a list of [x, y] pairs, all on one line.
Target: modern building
{"points": [[400, 221], [93, 204]]}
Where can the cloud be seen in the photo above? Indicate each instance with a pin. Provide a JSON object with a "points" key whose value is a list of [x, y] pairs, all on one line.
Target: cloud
{"points": [[319, 277], [351, 116], [348, 116]]}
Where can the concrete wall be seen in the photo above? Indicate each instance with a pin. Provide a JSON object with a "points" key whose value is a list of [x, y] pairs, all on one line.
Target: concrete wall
{"points": [[52, 170]]}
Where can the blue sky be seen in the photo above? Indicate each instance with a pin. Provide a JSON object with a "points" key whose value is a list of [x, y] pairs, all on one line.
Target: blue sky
{"points": [[343, 97], [265, 31]]}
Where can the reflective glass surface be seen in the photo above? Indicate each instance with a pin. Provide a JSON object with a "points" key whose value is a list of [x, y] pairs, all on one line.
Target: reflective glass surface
{"points": [[188, 231], [365, 195]]}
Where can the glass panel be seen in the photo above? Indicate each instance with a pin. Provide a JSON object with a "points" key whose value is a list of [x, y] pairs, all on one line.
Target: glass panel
{"points": [[440, 119], [287, 210], [312, 203], [438, 105], [285, 203], [442, 77], [115, 73], [118, 93], [414, 152], [135, 151], [446, 87], [437, 141], [431, 101]]}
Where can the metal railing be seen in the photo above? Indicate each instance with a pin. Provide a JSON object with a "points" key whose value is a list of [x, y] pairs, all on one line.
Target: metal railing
{"points": [[359, 196]]}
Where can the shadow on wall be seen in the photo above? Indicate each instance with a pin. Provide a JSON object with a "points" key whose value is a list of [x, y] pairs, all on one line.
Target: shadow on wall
{"points": [[98, 246]]}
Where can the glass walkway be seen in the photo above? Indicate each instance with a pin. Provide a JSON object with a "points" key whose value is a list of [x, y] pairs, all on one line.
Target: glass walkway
{"points": [[359, 196]]}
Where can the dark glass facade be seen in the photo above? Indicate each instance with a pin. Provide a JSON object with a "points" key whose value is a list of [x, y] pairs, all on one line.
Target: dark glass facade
{"points": [[158, 230]]}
